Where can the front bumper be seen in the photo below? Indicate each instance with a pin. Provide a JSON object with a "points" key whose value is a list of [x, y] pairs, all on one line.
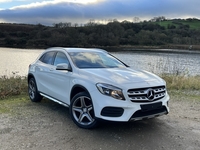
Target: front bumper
{"points": [[108, 108]]}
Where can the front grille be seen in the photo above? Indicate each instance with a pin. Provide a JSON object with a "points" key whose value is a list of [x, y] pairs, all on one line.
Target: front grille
{"points": [[147, 94]]}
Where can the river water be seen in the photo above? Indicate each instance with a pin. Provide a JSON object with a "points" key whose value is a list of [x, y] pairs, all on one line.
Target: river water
{"points": [[16, 61]]}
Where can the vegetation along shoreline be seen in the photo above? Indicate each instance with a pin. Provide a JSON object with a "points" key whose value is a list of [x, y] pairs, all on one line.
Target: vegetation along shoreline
{"points": [[161, 33], [17, 85]]}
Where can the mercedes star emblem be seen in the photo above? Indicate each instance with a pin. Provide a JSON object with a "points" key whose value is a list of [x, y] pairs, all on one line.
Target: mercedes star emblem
{"points": [[150, 94]]}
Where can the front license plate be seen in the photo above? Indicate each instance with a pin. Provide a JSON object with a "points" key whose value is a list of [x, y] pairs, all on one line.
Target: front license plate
{"points": [[148, 107]]}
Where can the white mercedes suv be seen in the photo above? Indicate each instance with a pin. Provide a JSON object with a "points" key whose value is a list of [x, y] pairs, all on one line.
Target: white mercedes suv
{"points": [[96, 85]]}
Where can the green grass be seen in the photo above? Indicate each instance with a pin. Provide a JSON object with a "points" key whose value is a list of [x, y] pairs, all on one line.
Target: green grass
{"points": [[7, 105], [194, 24]]}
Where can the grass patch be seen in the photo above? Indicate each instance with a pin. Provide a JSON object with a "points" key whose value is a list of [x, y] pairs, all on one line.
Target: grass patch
{"points": [[193, 24], [185, 95], [181, 82], [7, 105]]}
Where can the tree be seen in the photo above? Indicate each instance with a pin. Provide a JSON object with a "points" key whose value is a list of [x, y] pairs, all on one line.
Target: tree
{"points": [[136, 19]]}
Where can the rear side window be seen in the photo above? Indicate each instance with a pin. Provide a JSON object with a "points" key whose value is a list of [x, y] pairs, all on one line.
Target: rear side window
{"points": [[47, 58], [60, 58]]}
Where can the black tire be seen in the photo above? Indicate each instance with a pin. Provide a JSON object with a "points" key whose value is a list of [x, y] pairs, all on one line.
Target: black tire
{"points": [[33, 91], [82, 111]]}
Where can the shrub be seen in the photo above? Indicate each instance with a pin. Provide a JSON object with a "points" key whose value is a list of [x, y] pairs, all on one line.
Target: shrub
{"points": [[14, 85], [181, 82]]}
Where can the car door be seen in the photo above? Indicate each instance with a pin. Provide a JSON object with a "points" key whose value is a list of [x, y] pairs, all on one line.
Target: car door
{"points": [[60, 79], [43, 71]]}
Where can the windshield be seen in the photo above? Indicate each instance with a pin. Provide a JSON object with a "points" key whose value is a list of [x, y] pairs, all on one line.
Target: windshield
{"points": [[95, 60]]}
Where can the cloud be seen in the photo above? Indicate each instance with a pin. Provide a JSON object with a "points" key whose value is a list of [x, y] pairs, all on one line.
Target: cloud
{"points": [[3, 1], [49, 12], [54, 2]]}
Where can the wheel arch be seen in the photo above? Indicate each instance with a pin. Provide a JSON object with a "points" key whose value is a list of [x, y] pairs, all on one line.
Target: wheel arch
{"points": [[77, 89], [30, 75]]}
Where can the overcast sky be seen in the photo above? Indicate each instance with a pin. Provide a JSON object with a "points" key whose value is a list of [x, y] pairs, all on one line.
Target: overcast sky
{"points": [[47, 12]]}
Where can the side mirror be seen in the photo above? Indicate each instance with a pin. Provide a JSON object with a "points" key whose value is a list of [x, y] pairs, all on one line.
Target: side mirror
{"points": [[63, 66]]}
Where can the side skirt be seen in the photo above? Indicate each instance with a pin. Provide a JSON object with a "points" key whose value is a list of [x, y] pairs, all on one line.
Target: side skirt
{"points": [[55, 100]]}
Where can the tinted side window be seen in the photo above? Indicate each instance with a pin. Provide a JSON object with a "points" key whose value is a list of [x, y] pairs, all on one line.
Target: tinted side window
{"points": [[60, 58], [47, 58]]}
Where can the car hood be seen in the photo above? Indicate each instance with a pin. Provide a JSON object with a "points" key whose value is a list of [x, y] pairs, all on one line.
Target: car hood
{"points": [[121, 76]]}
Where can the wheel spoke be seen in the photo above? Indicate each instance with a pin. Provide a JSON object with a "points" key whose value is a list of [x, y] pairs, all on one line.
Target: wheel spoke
{"points": [[77, 109], [81, 117], [82, 99], [30, 87], [89, 117]]}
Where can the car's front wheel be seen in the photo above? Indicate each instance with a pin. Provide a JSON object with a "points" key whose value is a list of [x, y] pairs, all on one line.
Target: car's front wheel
{"points": [[82, 111], [33, 92]]}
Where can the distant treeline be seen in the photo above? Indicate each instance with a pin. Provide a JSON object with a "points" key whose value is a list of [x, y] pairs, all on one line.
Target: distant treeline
{"points": [[156, 32]]}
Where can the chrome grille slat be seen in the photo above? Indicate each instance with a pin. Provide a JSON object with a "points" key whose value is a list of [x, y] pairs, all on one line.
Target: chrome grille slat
{"points": [[139, 99], [140, 95], [137, 93]]}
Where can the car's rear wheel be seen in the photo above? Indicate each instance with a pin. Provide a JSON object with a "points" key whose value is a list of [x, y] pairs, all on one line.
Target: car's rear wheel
{"points": [[33, 91], [82, 111]]}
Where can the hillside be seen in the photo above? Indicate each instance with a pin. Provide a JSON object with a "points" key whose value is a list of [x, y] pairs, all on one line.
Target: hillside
{"points": [[191, 23], [177, 33]]}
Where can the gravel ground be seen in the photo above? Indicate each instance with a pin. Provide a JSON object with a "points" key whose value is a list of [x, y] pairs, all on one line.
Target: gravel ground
{"points": [[47, 126]]}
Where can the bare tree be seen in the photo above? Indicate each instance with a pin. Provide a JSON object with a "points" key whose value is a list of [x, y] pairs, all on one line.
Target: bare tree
{"points": [[136, 19]]}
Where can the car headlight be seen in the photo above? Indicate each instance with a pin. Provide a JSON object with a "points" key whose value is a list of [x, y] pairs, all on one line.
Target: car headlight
{"points": [[110, 90]]}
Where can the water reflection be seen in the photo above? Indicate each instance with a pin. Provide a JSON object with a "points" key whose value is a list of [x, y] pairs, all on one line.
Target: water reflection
{"points": [[177, 63], [18, 60]]}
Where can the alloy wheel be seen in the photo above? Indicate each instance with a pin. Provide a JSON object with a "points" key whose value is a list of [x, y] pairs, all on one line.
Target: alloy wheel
{"points": [[82, 111], [31, 89]]}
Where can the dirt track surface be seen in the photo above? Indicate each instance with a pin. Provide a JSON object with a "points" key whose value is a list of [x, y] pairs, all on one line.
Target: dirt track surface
{"points": [[47, 126]]}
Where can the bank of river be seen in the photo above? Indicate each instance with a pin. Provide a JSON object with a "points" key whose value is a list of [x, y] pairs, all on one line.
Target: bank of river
{"points": [[16, 61]]}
